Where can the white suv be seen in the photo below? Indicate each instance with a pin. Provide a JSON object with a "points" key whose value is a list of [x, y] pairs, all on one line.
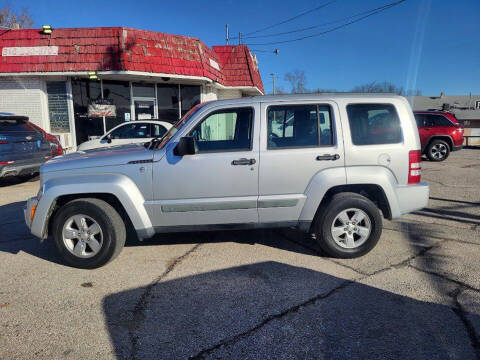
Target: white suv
{"points": [[329, 164], [132, 132]]}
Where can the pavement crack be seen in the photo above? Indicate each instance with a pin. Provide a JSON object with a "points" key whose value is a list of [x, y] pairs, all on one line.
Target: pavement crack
{"points": [[446, 278], [139, 310], [470, 329], [294, 309]]}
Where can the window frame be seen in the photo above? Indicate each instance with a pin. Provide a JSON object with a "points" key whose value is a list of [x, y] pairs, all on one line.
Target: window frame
{"points": [[317, 105], [252, 125], [402, 141]]}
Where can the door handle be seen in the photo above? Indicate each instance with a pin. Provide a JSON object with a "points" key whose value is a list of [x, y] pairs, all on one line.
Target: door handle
{"points": [[244, 161], [328, 157]]}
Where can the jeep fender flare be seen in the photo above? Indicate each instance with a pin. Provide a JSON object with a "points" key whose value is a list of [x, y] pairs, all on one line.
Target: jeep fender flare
{"points": [[120, 186], [327, 179]]}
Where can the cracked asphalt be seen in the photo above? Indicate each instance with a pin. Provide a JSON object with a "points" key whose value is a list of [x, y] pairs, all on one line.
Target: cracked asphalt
{"points": [[266, 294]]}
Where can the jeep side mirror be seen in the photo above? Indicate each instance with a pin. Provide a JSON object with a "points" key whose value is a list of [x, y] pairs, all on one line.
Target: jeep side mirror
{"points": [[186, 146], [109, 138]]}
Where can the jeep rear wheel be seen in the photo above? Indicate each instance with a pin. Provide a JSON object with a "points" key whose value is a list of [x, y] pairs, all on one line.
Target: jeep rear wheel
{"points": [[438, 150], [348, 226], [88, 233]]}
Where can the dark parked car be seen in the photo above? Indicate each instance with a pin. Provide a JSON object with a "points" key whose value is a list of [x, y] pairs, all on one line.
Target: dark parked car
{"points": [[24, 147], [440, 133]]}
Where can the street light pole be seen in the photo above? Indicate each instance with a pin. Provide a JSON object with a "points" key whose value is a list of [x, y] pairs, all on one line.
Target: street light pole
{"points": [[273, 79]]}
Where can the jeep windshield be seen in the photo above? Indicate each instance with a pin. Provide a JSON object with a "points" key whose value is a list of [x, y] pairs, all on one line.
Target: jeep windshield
{"points": [[160, 142]]}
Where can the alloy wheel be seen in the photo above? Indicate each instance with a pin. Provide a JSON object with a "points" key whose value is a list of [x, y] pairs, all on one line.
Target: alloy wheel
{"points": [[82, 236], [439, 151], [351, 228]]}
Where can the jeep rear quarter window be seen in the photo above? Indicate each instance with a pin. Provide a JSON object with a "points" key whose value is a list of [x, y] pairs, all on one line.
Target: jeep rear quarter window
{"points": [[299, 126], [374, 124]]}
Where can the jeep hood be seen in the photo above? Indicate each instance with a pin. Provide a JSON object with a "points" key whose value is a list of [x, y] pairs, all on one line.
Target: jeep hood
{"points": [[117, 155]]}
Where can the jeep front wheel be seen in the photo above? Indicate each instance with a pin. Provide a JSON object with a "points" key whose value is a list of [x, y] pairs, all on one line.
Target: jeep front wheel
{"points": [[88, 233], [348, 226]]}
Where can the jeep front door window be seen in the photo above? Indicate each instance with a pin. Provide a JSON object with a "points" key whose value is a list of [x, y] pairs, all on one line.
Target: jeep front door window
{"points": [[228, 130]]}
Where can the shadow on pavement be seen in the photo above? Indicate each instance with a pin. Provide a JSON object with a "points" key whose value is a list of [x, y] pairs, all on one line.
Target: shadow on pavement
{"points": [[15, 237], [271, 310], [15, 180], [268, 237]]}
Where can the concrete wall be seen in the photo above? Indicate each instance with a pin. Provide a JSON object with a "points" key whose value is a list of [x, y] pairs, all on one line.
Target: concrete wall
{"points": [[25, 96], [228, 94], [211, 93]]}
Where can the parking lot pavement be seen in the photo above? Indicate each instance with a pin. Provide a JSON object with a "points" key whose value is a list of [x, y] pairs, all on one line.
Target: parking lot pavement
{"points": [[254, 294]]}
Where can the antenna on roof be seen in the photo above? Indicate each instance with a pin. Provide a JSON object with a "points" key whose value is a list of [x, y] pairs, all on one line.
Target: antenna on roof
{"points": [[239, 38], [226, 33]]}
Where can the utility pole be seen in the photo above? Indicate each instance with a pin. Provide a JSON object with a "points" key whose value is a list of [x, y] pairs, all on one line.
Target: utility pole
{"points": [[239, 38], [273, 79], [226, 33]]}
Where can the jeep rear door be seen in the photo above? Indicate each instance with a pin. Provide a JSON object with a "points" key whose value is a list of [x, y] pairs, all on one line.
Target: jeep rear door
{"points": [[298, 141]]}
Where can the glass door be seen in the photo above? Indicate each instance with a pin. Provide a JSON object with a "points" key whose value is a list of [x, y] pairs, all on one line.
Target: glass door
{"points": [[144, 109]]}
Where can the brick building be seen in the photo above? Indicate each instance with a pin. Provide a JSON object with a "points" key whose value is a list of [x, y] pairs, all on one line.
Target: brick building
{"points": [[141, 74]]}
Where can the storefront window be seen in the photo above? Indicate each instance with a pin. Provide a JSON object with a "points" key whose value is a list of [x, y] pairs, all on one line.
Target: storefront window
{"points": [[85, 91], [167, 100], [119, 93], [58, 106], [143, 90], [190, 96]]}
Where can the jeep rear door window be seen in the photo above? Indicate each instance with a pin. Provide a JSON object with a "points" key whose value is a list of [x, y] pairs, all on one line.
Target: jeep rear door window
{"points": [[225, 130], [299, 126], [374, 124]]}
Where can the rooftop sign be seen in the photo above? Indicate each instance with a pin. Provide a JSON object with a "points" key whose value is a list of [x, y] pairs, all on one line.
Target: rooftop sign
{"points": [[30, 51]]}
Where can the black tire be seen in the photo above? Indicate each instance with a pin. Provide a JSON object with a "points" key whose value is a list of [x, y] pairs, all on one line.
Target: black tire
{"points": [[327, 214], [438, 150], [110, 222]]}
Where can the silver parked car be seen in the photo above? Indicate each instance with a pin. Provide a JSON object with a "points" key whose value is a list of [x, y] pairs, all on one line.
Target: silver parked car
{"points": [[322, 163]]}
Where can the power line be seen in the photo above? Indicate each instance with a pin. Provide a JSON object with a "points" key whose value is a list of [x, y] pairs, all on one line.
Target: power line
{"points": [[290, 19], [320, 25], [329, 30], [273, 51]]}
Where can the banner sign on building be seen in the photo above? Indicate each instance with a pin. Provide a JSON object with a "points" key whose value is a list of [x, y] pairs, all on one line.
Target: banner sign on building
{"points": [[30, 51], [101, 107]]}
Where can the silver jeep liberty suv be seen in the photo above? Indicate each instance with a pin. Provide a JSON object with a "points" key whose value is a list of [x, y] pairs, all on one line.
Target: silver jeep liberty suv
{"points": [[330, 164]]}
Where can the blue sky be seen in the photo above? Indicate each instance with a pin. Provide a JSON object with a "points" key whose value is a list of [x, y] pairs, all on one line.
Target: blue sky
{"points": [[432, 45]]}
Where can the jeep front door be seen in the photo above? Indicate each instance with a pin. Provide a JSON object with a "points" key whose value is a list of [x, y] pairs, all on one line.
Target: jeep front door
{"points": [[219, 183]]}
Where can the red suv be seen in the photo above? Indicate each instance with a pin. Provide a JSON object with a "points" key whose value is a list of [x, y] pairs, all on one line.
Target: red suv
{"points": [[440, 132]]}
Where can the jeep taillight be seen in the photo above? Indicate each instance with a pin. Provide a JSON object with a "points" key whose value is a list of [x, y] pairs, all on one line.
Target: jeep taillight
{"points": [[414, 166]]}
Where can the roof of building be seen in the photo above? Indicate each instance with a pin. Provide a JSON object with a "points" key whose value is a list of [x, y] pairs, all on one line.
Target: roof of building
{"points": [[463, 106], [126, 49]]}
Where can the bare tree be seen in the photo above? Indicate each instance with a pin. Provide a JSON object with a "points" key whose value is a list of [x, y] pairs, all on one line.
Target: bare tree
{"points": [[297, 80], [279, 90], [11, 19], [384, 87], [319, 91]]}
